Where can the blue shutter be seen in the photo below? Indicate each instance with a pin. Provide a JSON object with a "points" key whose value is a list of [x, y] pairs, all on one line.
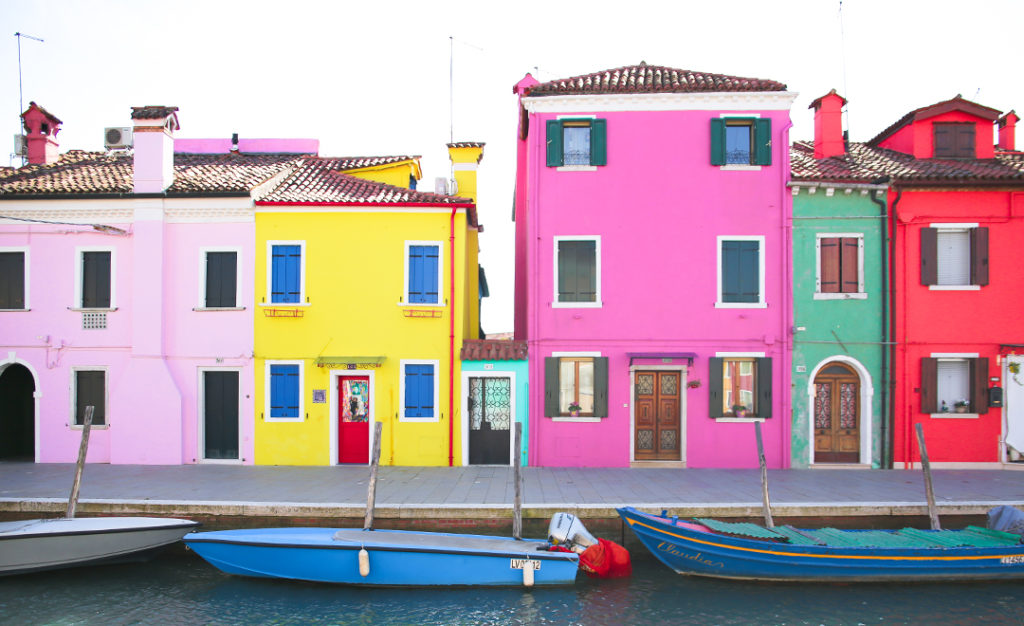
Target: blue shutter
{"points": [[284, 391], [419, 390], [423, 288], [740, 271], [286, 274]]}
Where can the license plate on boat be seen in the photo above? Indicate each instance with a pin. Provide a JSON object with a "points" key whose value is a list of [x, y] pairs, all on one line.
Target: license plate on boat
{"points": [[521, 563], [1012, 560]]}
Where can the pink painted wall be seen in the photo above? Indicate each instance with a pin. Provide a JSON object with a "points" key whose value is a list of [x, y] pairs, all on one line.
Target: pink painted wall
{"points": [[659, 207], [247, 146]]}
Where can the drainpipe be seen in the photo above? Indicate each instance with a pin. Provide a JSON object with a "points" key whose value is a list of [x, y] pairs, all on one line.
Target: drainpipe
{"points": [[451, 338], [892, 324], [885, 460]]}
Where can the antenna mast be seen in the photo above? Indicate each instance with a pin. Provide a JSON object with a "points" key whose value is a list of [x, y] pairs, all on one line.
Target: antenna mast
{"points": [[21, 102], [842, 48]]}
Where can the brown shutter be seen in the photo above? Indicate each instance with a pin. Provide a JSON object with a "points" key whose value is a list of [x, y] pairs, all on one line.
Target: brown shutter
{"points": [[979, 256], [979, 386], [929, 383], [929, 256], [850, 249], [829, 264]]}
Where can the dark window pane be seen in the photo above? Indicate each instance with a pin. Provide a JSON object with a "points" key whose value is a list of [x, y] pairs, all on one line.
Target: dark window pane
{"points": [[12, 280], [90, 390], [95, 280], [221, 276]]}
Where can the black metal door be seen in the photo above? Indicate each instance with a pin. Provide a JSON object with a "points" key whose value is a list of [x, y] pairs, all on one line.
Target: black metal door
{"points": [[490, 418], [220, 423]]}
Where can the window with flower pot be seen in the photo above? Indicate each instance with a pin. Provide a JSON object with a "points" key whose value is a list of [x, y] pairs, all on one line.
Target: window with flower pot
{"points": [[954, 385], [740, 387], [576, 386]]}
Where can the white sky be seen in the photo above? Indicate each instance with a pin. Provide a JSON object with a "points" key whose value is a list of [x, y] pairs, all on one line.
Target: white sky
{"points": [[373, 78]]}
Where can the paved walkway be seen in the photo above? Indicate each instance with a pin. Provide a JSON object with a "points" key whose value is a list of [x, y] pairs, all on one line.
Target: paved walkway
{"points": [[482, 492]]}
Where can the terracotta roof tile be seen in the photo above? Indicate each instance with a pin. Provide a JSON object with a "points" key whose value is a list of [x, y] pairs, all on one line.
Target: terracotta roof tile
{"points": [[152, 112], [644, 78], [493, 350], [466, 144], [354, 163]]}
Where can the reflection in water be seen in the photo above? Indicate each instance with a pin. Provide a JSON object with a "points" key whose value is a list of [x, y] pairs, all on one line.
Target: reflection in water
{"points": [[180, 588]]}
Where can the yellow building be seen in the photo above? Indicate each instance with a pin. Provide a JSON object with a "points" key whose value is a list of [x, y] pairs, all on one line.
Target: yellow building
{"points": [[364, 293]]}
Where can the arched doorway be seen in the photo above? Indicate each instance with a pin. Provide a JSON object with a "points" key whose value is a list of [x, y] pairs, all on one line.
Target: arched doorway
{"points": [[17, 414], [837, 414]]}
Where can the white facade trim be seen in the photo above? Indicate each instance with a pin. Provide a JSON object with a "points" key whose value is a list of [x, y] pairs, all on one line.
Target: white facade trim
{"points": [[717, 101], [867, 394], [401, 390]]}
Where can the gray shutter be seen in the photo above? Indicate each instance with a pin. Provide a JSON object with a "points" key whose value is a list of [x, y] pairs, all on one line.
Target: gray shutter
{"points": [[601, 386], [764, 387], [929, 385], [715, 365], [979, 386], [551, 386], [979, 256], [929, 256]]}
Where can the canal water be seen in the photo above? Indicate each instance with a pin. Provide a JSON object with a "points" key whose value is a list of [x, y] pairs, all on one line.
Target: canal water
{"points": [[180, 588]]}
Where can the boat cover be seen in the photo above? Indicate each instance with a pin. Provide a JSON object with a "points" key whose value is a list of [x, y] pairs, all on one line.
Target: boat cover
{"points": [[1006, 519]]}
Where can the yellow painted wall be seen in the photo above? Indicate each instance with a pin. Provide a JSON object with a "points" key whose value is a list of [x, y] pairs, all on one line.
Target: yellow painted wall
{"points": [[354, 282], [396, 174]]}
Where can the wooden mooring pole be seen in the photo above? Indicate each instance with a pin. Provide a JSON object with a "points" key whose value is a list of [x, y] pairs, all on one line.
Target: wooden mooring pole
{"points": [[83, 448], [933, 515], [517, 502], [765, 502], [371, 489]]}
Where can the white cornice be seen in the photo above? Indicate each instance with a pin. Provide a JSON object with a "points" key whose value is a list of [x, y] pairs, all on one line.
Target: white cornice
{"points": [[704, 101], [123, 210]]}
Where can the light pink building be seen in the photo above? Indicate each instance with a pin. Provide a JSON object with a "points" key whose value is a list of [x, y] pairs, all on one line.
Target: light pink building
{"points": [[652, 267], [126, 284]]}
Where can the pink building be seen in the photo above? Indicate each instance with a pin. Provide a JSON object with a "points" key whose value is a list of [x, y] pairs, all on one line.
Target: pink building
{"points": [[652, 267], [126, 284]]}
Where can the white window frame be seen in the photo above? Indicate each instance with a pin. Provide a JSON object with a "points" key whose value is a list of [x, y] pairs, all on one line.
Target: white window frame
{"points": [[74, 395], [958, 227], [409, 243], [80, 268], [581, 418], [860, 294], [270, 272], [26, 253], [401, 391], [597, 303], [201, 413], [955, 356], [762, 302], [203, 252], [267, 391]]}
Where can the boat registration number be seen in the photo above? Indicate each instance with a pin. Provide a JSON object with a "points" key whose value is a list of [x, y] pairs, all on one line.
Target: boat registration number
{"points": [[1012, 560], [522, 564]]}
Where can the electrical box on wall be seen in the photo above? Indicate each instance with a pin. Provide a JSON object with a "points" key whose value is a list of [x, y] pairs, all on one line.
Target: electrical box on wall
{"points": [[995, 397]]}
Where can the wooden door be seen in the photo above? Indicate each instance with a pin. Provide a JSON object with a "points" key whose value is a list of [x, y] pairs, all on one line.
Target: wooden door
{"points": [[220, 415], [656, 418], [353, 419], [490, 420], [836, 415]]}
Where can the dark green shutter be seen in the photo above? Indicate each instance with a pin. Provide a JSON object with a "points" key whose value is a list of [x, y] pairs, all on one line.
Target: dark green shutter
{"points": [[551, 386], [762, 141], [929, 385], [929, 256], [601, 386], [599, 142], [717, 141], [715, 365], [554, 143], [764, 387]]}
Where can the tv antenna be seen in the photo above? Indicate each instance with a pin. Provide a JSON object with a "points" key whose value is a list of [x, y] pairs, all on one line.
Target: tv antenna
{"points": [[21, 102]]}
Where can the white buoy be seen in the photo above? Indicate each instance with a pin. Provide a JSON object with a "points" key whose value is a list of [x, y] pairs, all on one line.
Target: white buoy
{"points": [[364, 563], [528, 573]]}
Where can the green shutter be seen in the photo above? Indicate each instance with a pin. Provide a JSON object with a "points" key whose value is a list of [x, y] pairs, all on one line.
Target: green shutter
{"points": [[554, 143], [551, 386], [601, 386], [764, 387], [715, 365], [717, 141], [599, 142], [762, 141]]}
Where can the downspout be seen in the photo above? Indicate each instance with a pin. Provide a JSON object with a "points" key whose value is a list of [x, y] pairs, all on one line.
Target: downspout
{"points": [[451, 338], [885, 461], [786, 198], [892, 328]]}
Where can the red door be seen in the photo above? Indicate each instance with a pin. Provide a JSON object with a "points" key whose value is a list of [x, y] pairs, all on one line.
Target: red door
{"points": [[353, 419]]}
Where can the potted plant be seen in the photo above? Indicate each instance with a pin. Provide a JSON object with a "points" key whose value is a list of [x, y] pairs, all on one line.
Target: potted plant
{"points": [[574, 409], [739, 410], [961, 406]]}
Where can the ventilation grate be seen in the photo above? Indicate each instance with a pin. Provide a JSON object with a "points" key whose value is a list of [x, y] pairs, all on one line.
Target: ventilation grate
{"points": [[94, 320]]}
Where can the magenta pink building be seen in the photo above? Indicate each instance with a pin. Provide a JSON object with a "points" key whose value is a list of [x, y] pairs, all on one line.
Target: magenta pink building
{"points": [[652, 267], [126, 284]]}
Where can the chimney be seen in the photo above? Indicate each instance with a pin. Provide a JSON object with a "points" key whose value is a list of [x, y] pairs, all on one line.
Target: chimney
{"points": [[828, 125], [465, 156], [154, 128], [1007, 131], [41, 129]]}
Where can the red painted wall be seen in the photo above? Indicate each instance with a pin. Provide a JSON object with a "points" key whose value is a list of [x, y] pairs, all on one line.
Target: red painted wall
{"points": [[970, 321], [917, 138]]}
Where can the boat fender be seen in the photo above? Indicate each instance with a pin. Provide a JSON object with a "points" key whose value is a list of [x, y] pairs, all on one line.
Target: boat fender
{"points": [[528, 573], [364, 562]]}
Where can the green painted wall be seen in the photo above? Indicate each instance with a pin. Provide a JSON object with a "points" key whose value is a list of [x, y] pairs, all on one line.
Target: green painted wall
{"points": [[841, 329]]}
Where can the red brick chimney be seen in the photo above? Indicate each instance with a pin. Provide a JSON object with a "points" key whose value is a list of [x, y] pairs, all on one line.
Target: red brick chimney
{"points": [[828, 125], [1007, 131], [41, 128]]}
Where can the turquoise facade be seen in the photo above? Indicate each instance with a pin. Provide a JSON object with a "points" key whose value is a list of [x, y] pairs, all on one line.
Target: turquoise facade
{"points": [[518, 371]]}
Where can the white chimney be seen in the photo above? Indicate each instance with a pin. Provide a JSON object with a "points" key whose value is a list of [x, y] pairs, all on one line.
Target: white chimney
{"points": [[153, 131]]}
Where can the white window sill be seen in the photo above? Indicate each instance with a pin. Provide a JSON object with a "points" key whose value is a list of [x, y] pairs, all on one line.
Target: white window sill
{"points": [[954, 287], [206, 309], [739, 168], [418, 420], [422, 305], [95, 310], [567, 418], [577, 305], [283, 304], [739, 420], [968, 416], [294, 420], [840, 296], [14, 310], [92, 427], [741, 305], [577, 168]]}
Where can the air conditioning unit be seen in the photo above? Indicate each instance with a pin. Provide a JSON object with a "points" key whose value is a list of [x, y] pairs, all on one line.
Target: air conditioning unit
{"points": [[20, 146], [117, 137]]}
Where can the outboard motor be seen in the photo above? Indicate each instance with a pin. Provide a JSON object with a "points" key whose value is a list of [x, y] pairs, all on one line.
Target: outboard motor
{"points": [[567, 530]]}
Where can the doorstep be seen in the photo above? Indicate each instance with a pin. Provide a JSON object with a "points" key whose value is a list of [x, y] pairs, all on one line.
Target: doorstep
{"points": [[658, 464]]}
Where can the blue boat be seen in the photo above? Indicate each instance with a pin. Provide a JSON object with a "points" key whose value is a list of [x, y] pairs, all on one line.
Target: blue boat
{"points": [[706, 547], [355, 556]]}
